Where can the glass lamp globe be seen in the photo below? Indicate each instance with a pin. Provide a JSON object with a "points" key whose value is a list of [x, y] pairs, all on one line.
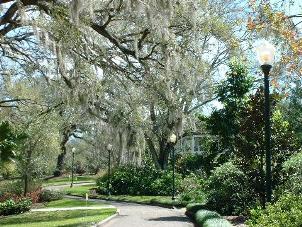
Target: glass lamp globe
{"points": [[109, 147], [265, 53], [73, 149], [172, 138]]}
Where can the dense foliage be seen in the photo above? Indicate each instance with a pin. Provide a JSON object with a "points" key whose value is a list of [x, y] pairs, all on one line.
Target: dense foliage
{"points": [[10, 206], [292, 175], [50, 195], [192, 189], [138, 180], [83, 74], [287, 211], [229, 190]]}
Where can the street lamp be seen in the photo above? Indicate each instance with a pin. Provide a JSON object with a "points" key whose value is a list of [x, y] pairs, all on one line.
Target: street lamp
{"points": [[172, 141], [109, 149], [265, 54], [72, 166]]}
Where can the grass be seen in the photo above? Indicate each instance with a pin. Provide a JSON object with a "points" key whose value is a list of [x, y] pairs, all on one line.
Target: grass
{"points": [[57, 218], [78, 190], [153, 200], [67, 180], [72, 203]]}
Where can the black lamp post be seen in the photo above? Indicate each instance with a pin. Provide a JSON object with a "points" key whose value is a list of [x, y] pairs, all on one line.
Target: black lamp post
{"points": [[172, 141], [109, 149], [72, 167], [265, 53]]}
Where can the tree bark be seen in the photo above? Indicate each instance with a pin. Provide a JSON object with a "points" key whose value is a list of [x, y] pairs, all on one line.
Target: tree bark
{"points": [[26, 174], [68, 131]]}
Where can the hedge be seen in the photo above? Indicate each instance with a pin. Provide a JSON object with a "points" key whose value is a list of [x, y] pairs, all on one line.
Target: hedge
{"points": [[205, 218]]}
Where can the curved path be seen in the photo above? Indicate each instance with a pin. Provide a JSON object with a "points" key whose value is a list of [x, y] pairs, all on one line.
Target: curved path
{"points": [[138, 215]]}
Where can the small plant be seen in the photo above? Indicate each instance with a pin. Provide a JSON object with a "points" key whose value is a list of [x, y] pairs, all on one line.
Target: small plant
{"points": [[11, 207], [50, 195]]}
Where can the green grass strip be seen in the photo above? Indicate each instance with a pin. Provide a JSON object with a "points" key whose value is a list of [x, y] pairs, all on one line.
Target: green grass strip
{"points": [[57, 218]]}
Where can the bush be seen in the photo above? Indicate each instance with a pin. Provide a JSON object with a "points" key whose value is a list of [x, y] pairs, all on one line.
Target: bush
{"points": [[133, 180], [287, 211], [195, 193], [8, 169], [50, 195], [12, 187], [57, 173], [79, 168], [163, 184], [293, 174], [228, 190], [11, 207]]}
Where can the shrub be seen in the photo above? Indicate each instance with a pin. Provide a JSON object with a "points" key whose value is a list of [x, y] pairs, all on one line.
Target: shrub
{"points": [[293, 174], [33, 196], [50, 195], [228, 190], [7, 169], [57, 173], [79, 168], [11, 207], [287, 211], [189, 162], [163, 184], [195, 193], [203, 215], [141, 180], [12, 187]]}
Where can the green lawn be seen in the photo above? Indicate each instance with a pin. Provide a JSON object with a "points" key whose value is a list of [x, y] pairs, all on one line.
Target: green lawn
{"points": [[67, 180], [78, 190], [72, 203], [156, 200], [57, 218]]}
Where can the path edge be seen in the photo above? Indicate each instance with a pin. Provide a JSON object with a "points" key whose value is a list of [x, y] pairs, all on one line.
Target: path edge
{"points": [[108, 219]]}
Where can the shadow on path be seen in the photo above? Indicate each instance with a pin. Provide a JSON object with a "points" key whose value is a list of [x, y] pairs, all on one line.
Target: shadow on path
{"points": [[170, 218]]}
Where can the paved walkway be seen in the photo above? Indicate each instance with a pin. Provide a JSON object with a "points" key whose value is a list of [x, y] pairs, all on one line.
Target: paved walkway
{"points": [[134, 215], [137, 215]]}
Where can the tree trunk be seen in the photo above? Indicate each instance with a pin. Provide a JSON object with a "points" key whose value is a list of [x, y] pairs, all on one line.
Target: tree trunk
{"points": [[61, 157], [27, 172], [152, 151], [163, 155]]}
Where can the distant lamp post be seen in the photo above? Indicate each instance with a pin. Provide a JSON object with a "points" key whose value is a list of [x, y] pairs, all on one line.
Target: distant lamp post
{"points": [[172, 141], [265, 53], [72, 166], [109, 149]]}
